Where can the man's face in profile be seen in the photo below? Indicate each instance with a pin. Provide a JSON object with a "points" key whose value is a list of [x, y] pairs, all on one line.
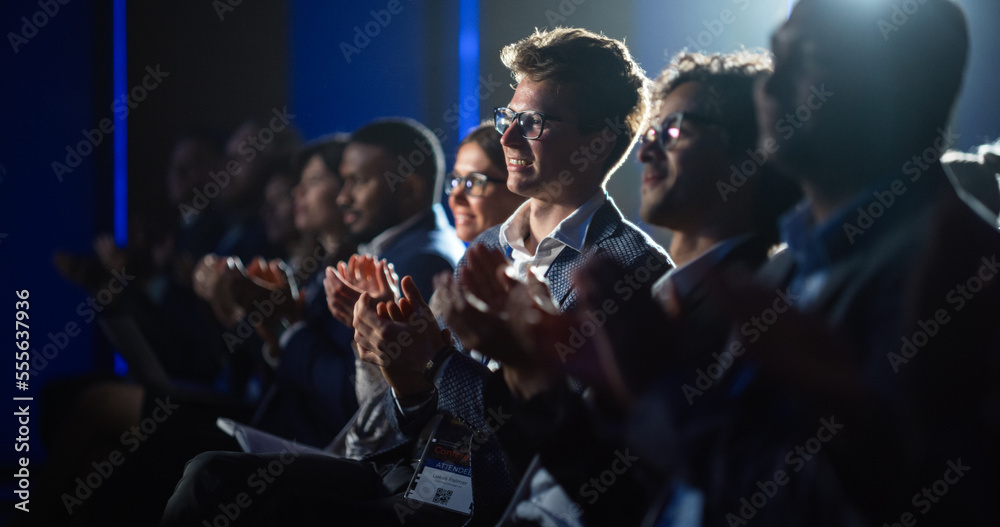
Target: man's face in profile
{"points": [[366, 200], [679, 183], [825, 102], [535, 166]]}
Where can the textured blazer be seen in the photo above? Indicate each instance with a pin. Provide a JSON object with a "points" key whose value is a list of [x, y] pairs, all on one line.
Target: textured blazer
{"points": [[461, 382]]}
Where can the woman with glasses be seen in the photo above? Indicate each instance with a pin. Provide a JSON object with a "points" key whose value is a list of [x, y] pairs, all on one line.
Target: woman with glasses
{"points": [[477, 188]]}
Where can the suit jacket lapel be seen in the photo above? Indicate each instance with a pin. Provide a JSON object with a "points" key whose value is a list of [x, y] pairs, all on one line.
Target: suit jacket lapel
{"points": [[561, 272]]}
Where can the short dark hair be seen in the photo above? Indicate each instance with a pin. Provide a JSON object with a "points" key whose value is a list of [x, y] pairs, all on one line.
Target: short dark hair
{"points": [[329, 148], [408, 141], [729, 80], [606, 82], [486, 137]]}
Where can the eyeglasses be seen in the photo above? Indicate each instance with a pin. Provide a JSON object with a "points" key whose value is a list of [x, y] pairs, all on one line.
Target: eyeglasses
{"points": [[473, 184], [531, 122], [669, 131]]}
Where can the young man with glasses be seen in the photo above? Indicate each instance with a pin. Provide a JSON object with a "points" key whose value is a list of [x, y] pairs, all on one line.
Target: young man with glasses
{"points": [[703, 124], [576, 111]]}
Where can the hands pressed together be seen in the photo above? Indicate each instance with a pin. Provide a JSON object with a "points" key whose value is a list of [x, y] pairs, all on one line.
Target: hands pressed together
{"points": [[233, 291]]}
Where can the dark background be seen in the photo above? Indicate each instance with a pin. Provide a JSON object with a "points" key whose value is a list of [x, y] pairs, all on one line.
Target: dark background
{"points": [[261, 56]]}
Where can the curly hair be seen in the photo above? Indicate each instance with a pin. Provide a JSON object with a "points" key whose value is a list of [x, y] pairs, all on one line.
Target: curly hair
{"points": [[607, 85], [728, 79]]}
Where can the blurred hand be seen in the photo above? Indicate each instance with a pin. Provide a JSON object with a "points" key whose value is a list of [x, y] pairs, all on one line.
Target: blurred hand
{"points": [[211, 279], [108, 253], [269, 282], [504, 319]]}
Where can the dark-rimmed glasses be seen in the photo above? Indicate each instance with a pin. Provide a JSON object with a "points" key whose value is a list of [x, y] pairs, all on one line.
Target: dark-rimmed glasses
{"points": [[531, 122], [669, 131], [473, 184]]}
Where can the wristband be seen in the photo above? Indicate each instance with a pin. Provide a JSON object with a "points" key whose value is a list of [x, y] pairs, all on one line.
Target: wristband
{"points": [[434, 364]]}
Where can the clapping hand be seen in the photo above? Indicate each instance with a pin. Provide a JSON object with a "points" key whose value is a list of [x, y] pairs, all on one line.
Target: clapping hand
{"points": [[360, 274], [400, 337]]}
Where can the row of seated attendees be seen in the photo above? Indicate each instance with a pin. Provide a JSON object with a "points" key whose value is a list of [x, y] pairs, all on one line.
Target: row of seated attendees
{"points": [[817, 345]]}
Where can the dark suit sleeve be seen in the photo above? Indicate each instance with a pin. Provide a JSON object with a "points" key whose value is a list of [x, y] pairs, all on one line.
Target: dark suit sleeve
{"points": [[318, 363]]}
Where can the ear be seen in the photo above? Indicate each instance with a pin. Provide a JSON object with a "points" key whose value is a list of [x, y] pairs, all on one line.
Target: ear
{"points": [[599, 145]]}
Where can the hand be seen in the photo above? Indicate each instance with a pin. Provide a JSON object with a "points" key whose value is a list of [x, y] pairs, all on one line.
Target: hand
{"points": [[108, 253], [400, 337], [796, 351], [345, 284], [269, 283], [504, 319], [474, 306], [211, 280]]}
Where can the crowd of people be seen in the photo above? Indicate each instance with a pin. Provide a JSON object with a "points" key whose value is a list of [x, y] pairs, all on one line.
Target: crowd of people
{"points": [[817, 346]]}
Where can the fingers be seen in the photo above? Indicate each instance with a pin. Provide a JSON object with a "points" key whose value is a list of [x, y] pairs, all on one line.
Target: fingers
{"points": [[381, 279], [412, 294], [479, 276], [394, 313]]}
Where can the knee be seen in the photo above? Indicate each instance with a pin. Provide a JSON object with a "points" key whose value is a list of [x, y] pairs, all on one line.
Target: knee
{"points": [[208, 470]]}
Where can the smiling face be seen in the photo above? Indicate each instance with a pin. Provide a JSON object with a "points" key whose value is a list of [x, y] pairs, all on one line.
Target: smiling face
{"points": [[475, 214], [368, 204], [679, 185], [316, 208], [535, 165]]}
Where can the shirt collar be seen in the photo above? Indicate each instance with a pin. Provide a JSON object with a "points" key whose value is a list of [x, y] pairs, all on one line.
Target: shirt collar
{"points": [[814, 245], [385, 239], [686, 278], [571, 231]]}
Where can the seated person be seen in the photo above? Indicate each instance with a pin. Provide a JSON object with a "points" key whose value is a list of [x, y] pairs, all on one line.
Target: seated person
{"points": [[703, 125], [479, 198], [577, 92], [388, 208]]}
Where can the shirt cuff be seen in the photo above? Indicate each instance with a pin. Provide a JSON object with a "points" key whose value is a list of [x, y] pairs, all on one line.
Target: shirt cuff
{"points": [[409, 411]]}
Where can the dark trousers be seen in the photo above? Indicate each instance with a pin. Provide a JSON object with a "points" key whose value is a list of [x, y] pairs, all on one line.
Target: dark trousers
{"points": [[227, 488]]}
